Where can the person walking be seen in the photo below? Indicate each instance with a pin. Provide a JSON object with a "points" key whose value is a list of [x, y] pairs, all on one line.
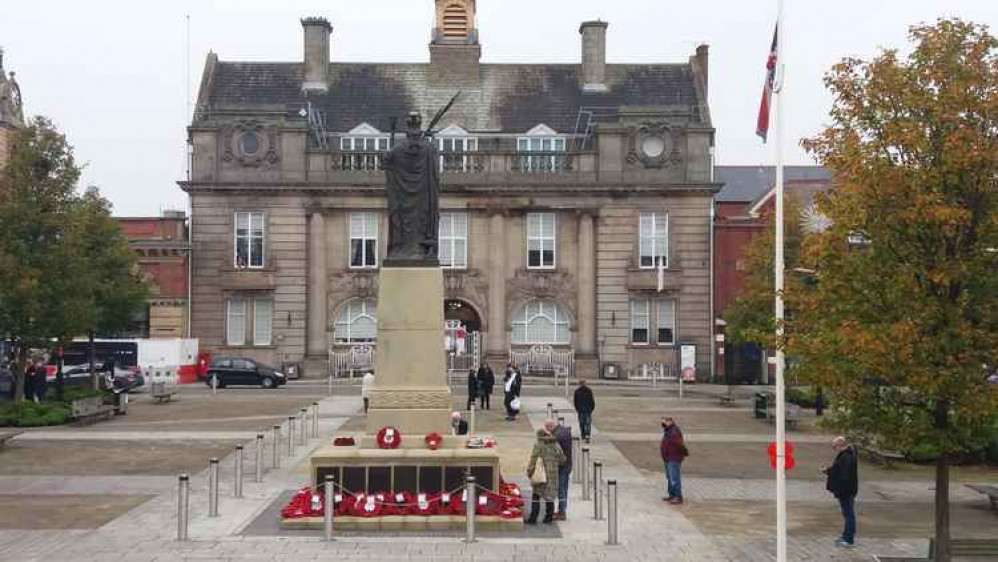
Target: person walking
{"points": [[547, 456], [486, 381], [585, 405], [472, 387], [673, 451], [843, 483], [511, 392], [41, 380], [563, 435], [29, 380], [366, 385]]}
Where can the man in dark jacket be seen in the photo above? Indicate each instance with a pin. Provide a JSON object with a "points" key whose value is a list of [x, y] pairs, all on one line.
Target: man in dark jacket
{"points": [[585, 405], [511, 391], [457, 424], [673, 450], [563, 435], [843, 483], [472, 387], [486, 380]]}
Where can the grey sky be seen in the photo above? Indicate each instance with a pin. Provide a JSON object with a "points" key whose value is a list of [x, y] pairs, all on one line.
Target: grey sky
{"points": [[111, 73]]}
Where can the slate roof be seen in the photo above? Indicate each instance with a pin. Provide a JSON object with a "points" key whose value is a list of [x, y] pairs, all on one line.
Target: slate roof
{"points": [[745, 184], [509, 98]]}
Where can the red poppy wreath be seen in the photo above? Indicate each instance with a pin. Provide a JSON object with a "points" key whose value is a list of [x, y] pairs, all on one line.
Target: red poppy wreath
{"points": [[389, 438], [433, 440]]}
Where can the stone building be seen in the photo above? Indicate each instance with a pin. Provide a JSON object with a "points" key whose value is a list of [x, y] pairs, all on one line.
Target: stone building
{"points": [[11, 111], [576, 201]]}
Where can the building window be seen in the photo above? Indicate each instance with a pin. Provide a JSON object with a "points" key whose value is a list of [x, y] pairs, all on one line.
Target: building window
{"points": [[364, 240], [453, 251], [667, 322], [249, 240], [263, 321], [549, 162], [368, 151], [640, 321], [236, 322], [357, 322], [541, 321], [454, 155], [541, 241], [654, 240]]}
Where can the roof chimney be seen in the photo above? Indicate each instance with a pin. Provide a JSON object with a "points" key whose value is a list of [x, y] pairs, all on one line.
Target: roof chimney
{"points": [[594, 55], [316, 59]]}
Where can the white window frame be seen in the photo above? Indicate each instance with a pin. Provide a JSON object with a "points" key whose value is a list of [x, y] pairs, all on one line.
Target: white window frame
{"points": [[640, 319], [537, 236], [670, 316], [250, 236], [456, 159], [548, 310], [653, 240], [368, 230], [351, 311], [544, 163], [235, 322], [367, 140], [265, 329], [453, 235]]}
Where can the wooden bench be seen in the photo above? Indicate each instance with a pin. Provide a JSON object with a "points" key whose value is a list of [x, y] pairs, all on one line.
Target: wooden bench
{"points": [[160, 393], [87, 409], [793, 413], [883, 458], [990, 491], [6, 436]]}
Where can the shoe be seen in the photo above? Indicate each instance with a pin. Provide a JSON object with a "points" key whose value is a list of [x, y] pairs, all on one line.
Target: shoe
{"points": [[667, 499], [676, 501], [841, 543], [548, 520], [560, 516], [532, 521]]}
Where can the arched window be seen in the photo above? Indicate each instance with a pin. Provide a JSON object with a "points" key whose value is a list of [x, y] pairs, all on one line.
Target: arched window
{"points": [[541, 321], [357, 322], [455, 22]]}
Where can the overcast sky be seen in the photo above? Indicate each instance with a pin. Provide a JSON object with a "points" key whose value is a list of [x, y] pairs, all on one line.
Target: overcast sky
{"points": [[112, 74]]}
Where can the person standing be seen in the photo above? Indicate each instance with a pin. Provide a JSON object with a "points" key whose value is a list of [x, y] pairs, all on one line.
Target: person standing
{"points": [[472, 387], [563, 435], [41, 380], [511, 392], [549, 454], [486, 381], [366, 385], [843, 483], [585, 405], [673, 451]]}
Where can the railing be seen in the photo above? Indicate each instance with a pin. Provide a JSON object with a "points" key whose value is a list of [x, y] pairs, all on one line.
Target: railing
{"points": [[475, 162], [357, 360], [544, 359], [654, 371]]}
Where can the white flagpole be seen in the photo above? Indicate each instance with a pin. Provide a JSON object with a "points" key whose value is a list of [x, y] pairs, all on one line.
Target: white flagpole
{"points": [[781, 408]]}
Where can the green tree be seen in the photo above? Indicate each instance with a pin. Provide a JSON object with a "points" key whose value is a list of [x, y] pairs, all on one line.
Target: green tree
{"points": [[897, 328]]}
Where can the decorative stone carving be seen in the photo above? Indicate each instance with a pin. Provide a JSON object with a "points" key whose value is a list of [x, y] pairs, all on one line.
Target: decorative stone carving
{"points": [[363, 284], [251, 143], [529, 284], [655, 145], [410, 399]]}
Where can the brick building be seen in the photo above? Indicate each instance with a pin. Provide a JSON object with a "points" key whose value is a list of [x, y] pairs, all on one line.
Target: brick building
{"points": [[564, 188], [160, 244]]}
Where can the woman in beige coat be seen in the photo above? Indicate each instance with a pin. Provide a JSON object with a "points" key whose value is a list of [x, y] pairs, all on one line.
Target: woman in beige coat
{"points": [[550, 454]]}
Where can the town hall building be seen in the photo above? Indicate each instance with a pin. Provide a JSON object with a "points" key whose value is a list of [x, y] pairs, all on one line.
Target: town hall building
{"points": [[575, 204]]}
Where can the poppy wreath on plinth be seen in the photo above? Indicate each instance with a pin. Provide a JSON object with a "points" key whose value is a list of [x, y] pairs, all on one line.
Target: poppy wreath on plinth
{"points": [[403, 503], [344, 442], [389, 437], [342, 503], [433, 440], [511, 495], [511, 513], [367, 506], [426, 504], [446, 501], [298, 507], [489, 504]]}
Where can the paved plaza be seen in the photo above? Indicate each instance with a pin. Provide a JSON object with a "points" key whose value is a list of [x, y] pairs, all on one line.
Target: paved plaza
{"points": [[107, 492]]}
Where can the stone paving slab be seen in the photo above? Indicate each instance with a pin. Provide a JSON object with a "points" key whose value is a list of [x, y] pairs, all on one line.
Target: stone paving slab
{"points": [[85, 435], [89, 485]]}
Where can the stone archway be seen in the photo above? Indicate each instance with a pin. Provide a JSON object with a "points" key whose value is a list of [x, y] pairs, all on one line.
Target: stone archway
{"points": [[459, 309]]}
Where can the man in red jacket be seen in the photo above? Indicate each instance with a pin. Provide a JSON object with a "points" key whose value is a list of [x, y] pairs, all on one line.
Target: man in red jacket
{"points": [[673, 451]]}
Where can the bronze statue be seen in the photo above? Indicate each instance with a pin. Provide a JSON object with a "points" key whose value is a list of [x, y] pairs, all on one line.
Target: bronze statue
{"points": [[413, 188]]}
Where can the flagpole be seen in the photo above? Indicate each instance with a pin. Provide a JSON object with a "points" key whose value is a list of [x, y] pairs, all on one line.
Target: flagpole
{"points": [[781, 408]]}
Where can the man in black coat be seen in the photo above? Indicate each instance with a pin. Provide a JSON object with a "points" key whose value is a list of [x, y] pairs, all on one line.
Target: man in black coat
{"points": [[585, 405], [486, 380], [511, 391], [563, 435], [843, 483], [472, 387]]}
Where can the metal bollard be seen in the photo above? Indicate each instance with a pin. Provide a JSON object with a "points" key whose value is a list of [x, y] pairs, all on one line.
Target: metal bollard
{"points": [[585, 474], [259, 458], [237, 484], [598, 491], [213, 488], [611, 504], [276, 445], [315, 420], [550, 411], [329, 504], [471, 422], [470, 508], [291, 436], [577, 457], [183, 500], [303, 419]]}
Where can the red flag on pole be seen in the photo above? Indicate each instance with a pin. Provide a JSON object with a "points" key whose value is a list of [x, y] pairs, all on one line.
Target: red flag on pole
{"points": [[762, 124]]}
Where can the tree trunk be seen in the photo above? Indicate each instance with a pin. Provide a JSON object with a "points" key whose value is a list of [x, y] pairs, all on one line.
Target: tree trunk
{"points": [[942, 490], [90, 355], [59, 382], [20, 357]]}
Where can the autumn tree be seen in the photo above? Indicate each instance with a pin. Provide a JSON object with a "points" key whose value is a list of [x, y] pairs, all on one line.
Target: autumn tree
{"points": [[905, 311]]}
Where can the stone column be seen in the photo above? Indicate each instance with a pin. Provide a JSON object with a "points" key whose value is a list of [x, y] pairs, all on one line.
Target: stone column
{"points": [[586, 344], [497, 286], [318, 285]]}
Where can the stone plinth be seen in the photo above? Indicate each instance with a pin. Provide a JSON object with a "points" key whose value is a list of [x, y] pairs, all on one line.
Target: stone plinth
{"points": [[410, 388]]}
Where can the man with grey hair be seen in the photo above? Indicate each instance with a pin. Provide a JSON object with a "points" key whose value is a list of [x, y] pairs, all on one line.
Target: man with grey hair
{"points": [[843, 483]]}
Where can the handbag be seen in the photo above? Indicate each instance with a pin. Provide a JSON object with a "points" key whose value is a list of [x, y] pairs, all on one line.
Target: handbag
{"points": [[540, 475], [515, 404]]}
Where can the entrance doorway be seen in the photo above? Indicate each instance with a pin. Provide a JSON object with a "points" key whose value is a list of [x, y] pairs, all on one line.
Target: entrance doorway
{"points": [[462, 332]]}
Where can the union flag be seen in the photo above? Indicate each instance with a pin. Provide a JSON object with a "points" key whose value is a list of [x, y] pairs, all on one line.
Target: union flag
{"points": [[762, 124]]}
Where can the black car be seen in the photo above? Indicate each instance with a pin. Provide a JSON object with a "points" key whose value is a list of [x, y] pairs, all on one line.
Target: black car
{"points": [[241, 370]]}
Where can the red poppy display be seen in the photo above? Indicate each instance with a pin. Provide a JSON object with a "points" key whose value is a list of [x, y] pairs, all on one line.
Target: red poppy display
{"points": [[389, 437], [433, 440]]}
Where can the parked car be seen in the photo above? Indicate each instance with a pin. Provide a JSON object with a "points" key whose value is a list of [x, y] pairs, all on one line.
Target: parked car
{"points": [[79, 375], [243, 371]]}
